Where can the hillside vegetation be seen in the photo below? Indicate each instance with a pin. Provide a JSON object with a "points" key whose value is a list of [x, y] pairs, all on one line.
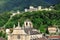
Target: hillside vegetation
{"points": [[40, 19]]}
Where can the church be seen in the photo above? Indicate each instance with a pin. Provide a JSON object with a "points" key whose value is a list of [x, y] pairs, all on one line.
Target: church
{"points": [[27, 32]]}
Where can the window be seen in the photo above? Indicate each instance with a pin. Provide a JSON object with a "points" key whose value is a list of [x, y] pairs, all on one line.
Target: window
{"points": [[26, 23], [18, 36]]}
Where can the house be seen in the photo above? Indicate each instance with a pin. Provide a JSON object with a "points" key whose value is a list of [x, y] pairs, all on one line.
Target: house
{"points": [[52, 29]]}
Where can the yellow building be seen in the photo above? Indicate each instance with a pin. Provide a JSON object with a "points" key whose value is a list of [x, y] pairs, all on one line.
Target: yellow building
{"points": [[52, 29], [27, 32]]}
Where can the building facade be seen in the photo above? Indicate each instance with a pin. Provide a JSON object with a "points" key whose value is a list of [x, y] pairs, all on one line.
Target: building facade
{"points": [[27, 32]]}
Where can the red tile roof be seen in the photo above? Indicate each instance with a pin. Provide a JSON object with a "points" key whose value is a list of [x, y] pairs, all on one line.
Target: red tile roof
{"points": [[54, 37]]}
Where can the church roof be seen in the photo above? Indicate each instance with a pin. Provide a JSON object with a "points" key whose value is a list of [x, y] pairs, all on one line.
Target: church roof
{"points": [[32, 32], [54, 37], [29, 30], [18, 30]]}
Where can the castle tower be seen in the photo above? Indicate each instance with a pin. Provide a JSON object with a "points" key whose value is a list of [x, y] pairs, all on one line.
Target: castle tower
{"points": [[26, 10], [28, 24], [39, 8]]}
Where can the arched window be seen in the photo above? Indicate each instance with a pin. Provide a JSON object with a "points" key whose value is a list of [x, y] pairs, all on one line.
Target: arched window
{"points": [[26, 23]]}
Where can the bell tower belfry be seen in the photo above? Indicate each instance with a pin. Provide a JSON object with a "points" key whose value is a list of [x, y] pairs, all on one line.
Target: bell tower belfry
{"points": [[28, 24]]}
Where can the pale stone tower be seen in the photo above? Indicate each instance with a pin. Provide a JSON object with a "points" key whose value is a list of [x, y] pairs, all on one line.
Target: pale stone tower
{"points": [[26, 10], [39, 8]]}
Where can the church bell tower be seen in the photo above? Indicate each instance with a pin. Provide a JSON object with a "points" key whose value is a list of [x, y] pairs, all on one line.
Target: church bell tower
{"points": [[28, 24]]}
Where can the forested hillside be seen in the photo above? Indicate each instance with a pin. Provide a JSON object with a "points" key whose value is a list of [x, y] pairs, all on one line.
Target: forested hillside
{"points": [[40, 19]]}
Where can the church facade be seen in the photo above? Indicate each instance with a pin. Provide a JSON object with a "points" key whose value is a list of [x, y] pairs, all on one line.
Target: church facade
{"points": [[27, 32]]}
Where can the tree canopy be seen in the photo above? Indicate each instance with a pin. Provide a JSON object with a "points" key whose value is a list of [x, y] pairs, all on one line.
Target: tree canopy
{"points": [[40, 19]]}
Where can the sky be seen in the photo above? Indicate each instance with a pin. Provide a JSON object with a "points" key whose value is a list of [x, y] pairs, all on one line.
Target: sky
{"points": [[53, 1]]}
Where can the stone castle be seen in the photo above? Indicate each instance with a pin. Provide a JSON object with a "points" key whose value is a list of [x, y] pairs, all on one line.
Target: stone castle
{"points": [[39, 8], [27, 32], [31, 8]]}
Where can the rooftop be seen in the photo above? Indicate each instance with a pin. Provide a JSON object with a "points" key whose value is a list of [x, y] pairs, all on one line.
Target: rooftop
{"points": [[54, 36]]}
